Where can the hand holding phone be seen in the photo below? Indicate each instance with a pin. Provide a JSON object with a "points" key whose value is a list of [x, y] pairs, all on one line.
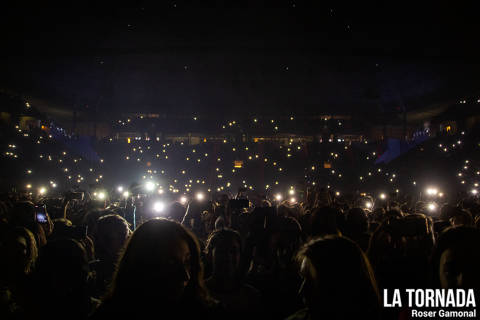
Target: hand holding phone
{"points": [[41, 214]]}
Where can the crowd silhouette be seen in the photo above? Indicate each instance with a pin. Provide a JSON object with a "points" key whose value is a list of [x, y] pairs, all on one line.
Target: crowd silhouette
{"points": [[317, 259]]}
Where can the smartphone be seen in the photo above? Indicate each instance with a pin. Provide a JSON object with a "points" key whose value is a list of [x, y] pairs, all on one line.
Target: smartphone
{"points": [[40, 214], [239, 203]]}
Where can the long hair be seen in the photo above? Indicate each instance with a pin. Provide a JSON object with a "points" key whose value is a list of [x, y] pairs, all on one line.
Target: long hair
{"points": [[140, 265], [465, 241], [344, 282], [8, 238], [32, 248]]}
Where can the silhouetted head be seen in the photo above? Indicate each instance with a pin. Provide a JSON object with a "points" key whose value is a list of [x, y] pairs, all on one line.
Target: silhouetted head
{"points": [[356, 221], [324, 221], [111, 233], [456, 258], [338, 280], [23, 214], [284, 240], [62, 268], [18, 251], [160, 264], [224, 248], [461, 217]]}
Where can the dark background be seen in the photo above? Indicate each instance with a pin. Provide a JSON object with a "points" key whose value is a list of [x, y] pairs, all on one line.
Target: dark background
{"points": [[214, 57]]}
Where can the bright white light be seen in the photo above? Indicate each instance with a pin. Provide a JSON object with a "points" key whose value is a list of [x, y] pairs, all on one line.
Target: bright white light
{"points": [[432, 206], [432, 191], [278, 197], [160, 191], [183, 200], [120, 189], [337, 193], [368, 204], [200, 196], [383, 196], [474, 191], [126, 194], [291, 192], [158, 206], [42, 190], [293, 200], [54, 185], [101, 195], [149, 186], [440, 194]]}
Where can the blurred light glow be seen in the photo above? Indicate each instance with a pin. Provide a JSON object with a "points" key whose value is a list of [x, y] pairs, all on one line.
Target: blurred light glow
{"points": [[149, 186], [158, 206]]}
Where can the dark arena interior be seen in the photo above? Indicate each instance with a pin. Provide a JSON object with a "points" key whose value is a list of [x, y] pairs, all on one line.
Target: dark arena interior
{"points": [[137, 141]]}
